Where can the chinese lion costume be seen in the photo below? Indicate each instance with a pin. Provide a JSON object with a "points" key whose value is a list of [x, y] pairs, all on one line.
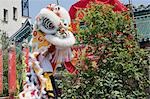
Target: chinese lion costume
{"points": [[51, 45]]}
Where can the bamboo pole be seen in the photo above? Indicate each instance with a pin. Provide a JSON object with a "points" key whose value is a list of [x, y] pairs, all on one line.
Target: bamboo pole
{"points": [[57, 2]]}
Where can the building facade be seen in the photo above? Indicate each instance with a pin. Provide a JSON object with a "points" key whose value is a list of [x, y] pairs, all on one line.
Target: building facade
{"points": [[142, 21], [13, 13]]}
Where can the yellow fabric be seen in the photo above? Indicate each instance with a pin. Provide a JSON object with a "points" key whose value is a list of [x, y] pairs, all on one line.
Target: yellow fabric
{"points": [[49, 86], [38, 37], [35, 54], [51, 94], [36, 69]]}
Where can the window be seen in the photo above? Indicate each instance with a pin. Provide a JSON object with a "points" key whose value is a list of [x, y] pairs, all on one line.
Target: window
{"points": [[5, 15], [15, 13], [25, 8]]}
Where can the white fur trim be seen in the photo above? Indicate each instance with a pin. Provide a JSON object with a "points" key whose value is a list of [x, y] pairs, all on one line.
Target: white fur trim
{"points": [[50, 15], [63, 13], [61, 42], [62, 55]]}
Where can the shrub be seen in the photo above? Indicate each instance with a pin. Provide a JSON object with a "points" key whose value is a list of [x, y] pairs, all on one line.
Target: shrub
{"points": [[19, 66], [119, 69]]}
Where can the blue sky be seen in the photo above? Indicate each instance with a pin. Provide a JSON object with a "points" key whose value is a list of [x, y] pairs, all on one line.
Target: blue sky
{"points": [[137, 2], [36, 5]]}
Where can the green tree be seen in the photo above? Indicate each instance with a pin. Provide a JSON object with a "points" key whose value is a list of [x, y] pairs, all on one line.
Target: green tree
{"points": [[120, 67], [19, 66], [4, 42]]}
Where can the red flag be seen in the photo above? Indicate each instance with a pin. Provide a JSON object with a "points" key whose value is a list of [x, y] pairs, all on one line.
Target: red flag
{"points": [[1, 71], [12, 83]]}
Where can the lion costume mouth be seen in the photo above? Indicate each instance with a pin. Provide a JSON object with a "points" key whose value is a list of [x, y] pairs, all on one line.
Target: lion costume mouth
{"points": [[61, 42], [47, 21]]}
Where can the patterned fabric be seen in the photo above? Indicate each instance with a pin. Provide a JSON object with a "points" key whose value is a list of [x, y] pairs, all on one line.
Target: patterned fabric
{"points": [[39, 43]]}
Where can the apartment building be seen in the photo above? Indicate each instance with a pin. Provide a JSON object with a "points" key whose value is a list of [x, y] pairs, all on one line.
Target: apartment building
{"points": [[13, 13]]}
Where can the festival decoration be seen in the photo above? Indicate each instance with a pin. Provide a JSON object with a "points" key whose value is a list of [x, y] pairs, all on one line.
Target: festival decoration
{"points": [[25, 61], [12, 82], [118, 6], [51, 45], [77, 11]]}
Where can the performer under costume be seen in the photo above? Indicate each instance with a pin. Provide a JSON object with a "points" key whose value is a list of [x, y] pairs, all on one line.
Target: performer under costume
{"points": [[51, 45]]}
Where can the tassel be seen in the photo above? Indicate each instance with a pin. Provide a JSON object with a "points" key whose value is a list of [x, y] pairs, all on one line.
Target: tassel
{"points": [[62, 55], [25, 62], [1, 71], [26, 58], [12, 82]]}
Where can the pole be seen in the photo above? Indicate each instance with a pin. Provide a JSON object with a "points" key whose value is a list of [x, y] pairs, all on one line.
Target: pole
{"points": [[129, 1], [12, 84], [57, 2], [130, 7]]}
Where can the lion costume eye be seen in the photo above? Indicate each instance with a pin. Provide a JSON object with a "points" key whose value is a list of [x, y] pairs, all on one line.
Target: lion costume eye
{"points": [[65, 24], [57, 8]]}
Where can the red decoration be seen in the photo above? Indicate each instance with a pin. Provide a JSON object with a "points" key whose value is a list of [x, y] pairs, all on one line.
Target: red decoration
{"points": [[85, 3], [80, 14], [71, 69], [74, 26], [26, 55], [12, 71], [1, 71]]}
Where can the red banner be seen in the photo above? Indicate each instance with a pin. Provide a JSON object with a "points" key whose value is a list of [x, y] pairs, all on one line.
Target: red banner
{"points": [[12, 83], [1, 71]]}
